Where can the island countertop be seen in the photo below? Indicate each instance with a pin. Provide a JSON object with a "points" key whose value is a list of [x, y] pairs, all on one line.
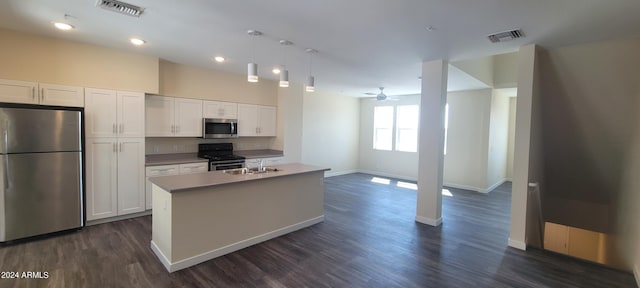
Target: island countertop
{"points": [[179, 183]]}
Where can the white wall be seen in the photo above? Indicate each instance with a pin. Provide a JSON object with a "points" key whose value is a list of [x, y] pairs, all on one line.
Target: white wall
{"points": [[330, 126], [498, 141], [403, 165], [290, 117], [465, 164]]}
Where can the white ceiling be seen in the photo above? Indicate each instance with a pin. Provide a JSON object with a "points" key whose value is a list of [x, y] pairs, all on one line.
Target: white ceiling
{"points": [[362, 44]]}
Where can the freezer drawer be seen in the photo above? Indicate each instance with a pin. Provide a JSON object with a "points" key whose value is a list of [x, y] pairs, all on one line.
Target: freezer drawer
{"points": [[40, 193]]}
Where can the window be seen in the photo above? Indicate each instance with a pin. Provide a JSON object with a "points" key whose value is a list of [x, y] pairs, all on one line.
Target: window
{"points": [[399, 123], [407, 128], [383, 127]]}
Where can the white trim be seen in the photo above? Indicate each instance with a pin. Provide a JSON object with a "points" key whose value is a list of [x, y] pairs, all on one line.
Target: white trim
{"points": [[328, 174], [118, 218], [517, 244], [494, 186], [473, 188], [394, 176], [636, 273], [163, 259], [191, 261], [461, 186], [429, 221]]}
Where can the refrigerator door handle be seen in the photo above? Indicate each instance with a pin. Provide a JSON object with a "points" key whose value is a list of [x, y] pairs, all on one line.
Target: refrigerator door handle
{"points": [[5, 142]]}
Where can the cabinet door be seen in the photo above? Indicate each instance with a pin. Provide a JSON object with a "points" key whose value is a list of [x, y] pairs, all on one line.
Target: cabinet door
{"points": [[131, 178], [100, 113], [247, 120], [272, 161], [159, 116], [13, 91], [192, 168], [212, 109], [130, 114], [230, 110], [266, 121], [59, 95], [102, 181], [188, 117], [154, 171]]}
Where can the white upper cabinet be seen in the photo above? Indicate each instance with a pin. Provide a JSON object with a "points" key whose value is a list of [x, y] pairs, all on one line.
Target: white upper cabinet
{"points": [[60, 95], [173, 117], [256, 120], [219, 110], [159, 116], [13, 91], [188, 117], [267, 121], [18, 91], [110, 113], [130, 114]]}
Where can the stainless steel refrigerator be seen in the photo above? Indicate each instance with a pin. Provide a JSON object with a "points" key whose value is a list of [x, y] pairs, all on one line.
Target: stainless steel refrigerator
{"points": [[41, 170]]}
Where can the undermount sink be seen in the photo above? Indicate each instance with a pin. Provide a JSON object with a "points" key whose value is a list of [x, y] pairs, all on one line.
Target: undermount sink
{"points": [[255, 170]]}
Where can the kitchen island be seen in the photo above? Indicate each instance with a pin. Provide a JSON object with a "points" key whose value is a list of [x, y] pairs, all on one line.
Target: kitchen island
{"points": [[198, 217]]}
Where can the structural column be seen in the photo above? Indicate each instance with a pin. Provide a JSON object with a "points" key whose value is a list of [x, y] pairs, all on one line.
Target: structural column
{"points": [[431, 142]]}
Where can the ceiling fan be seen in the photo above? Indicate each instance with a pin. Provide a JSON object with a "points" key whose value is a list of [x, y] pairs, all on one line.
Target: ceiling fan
{"points": [[380, 96]]}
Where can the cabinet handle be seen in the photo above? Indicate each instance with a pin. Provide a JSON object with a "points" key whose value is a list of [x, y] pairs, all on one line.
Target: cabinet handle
{"points": [[114, 148], [114, 128], [33, 93], [177, 129], [121, 128], [42, 94], [120, 147], [172, 129]]}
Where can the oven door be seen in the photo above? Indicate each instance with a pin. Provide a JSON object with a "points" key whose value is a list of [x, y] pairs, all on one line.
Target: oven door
{"points": [[224, 165], [219, 128]]}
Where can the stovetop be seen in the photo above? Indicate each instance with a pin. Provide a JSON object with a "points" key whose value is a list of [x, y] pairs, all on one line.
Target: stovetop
{"points": [[221, 157], [217, 152]]}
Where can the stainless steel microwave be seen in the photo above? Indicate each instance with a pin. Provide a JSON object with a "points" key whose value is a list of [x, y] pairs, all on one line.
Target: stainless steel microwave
{"points": [[219, 128]]}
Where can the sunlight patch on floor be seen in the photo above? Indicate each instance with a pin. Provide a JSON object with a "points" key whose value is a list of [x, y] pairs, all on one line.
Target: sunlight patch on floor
{"points": [[381, 180], [412, 186], [446, 192]]}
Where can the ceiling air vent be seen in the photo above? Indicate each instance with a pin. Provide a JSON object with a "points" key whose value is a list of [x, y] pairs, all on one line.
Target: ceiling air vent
{"points": [[120, 7], [505, 36]]}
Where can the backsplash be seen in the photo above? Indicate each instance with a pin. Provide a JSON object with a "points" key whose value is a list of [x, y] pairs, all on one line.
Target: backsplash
{"points": [[158, 145]]}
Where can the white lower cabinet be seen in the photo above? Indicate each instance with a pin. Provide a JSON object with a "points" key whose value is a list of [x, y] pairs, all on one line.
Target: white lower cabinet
{"points": [[168, 170], [115, 177], [155, 171]]}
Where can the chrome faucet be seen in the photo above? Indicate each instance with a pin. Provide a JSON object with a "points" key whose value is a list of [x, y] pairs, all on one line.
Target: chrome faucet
{"points": [[260, 165]]}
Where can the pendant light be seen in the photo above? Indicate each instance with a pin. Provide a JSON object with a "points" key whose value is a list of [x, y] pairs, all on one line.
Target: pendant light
{"points": [[284, 73], [252, 68], [310, 85]]}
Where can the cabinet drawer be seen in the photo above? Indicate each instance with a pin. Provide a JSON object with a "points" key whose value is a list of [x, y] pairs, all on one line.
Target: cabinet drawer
{"points": [[194, 168], [163, 170]]}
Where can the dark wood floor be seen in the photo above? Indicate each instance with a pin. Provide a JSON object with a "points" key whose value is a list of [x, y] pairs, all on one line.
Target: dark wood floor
{"points": [[369, 239]]}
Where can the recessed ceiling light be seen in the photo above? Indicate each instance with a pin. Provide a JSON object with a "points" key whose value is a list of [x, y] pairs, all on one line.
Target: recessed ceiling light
{"points": [[276, 70], [219, 59], [136, 41], [62, 26]]}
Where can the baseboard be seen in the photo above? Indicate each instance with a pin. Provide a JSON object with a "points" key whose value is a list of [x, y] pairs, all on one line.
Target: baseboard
{"points": [[191, 261], [429, 221], [118, 218], [473, 188], [636, 273], [388, 175], [328, 174], [461, 186], [163, 259], [494, 186], [517, 244]]}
